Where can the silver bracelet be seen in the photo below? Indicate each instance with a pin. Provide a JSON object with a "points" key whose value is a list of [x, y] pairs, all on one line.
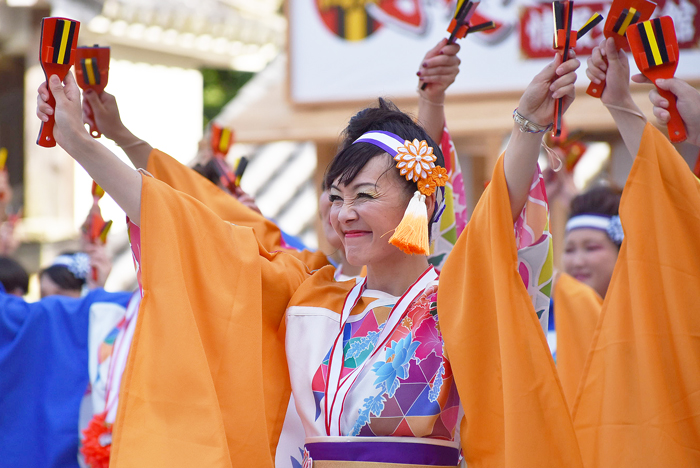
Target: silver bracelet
{"points": [[527, 126]]}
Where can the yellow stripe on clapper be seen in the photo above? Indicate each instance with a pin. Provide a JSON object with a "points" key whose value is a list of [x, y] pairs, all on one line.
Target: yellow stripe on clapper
{"points": [[3, 158], [628, 19], [225, 138], [652, 43], [459, 5], [64, 42], [90, 71]]}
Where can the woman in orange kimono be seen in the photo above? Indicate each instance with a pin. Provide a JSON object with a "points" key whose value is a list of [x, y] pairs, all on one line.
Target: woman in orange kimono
{"points": [[209, 376], [639, 401]]}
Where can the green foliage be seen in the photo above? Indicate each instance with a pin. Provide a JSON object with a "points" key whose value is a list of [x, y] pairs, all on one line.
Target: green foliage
{"points": [[220, 86]]}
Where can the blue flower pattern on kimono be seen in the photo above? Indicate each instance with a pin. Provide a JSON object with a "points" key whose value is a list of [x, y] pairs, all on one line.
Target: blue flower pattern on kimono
{"points": [[373, 405], [366, 343], [437, 386], [390, 371]]}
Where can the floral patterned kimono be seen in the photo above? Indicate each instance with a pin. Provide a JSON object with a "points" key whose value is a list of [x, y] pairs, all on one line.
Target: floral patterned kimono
{"points": [[227, 327], [376, 374]]}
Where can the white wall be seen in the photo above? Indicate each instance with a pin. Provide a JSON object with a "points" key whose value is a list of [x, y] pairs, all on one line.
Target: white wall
{"points": [[162, 105]]}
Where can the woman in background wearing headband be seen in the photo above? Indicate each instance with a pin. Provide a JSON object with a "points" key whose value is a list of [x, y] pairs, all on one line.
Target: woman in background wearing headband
{"points": [[591, 246], [66, 276], [641, 386], [365, 358], [593, 237]]}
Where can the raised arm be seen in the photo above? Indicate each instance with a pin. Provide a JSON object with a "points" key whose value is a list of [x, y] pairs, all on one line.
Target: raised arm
{"points": [[105, 114], [438, 71], [617, 97], [536, 105], [114, 176], [687, 103]]}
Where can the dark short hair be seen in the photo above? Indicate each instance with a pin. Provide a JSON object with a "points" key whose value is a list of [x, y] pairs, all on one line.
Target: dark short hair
{"points": [[63, 277], [601, 199], [13, 275], [352, 158]]}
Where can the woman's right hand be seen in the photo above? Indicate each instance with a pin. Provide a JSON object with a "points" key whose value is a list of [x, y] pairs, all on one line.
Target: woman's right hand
{"points": [[616, 73], [687, 104]]}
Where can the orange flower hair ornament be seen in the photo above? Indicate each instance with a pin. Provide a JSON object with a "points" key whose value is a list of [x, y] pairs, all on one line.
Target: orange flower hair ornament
{"points": [[415, 161]]}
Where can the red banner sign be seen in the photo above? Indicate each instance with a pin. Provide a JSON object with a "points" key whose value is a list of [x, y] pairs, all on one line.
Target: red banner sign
{"points": [[537, 25]]}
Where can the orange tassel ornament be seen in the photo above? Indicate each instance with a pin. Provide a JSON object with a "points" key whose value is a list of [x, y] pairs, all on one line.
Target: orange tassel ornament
{"points": [[411, 235]]}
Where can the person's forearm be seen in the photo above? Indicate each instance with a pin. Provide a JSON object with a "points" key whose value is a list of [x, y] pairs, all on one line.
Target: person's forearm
{"points": [[630, 123], [432, 117], [519, 165], [137, 150], [120, 181]]}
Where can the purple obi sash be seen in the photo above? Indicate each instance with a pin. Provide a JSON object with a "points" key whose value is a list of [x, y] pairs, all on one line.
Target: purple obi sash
{"points": [[407, 453]]}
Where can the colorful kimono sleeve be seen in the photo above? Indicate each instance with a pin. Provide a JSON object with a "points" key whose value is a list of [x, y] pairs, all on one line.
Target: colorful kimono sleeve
{"points": [[639, 402], [577, 312], [44, 376], [206, 383], [515, 412], [454, 217], [535, 249], [184, 179]]}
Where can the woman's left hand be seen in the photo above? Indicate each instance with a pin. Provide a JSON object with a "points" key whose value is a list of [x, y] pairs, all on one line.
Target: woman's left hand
{"points": [[555, 81]]}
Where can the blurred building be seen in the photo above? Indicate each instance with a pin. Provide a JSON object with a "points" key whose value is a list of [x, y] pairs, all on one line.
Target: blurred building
{"points": [[159, 46], [157, 50]]}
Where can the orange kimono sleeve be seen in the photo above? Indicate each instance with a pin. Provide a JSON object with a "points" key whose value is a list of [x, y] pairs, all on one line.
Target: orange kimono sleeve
{"points": [[515, 412], [184, 179], [577, 308], [206, 381], [639, 402]]}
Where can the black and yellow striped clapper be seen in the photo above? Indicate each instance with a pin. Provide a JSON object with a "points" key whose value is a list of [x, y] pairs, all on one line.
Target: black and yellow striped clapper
{"points": [[91, 71], [627, 17], [592, 22], [61, 43], [651, 36], [654, 47], [221, 140], [59, 37]]}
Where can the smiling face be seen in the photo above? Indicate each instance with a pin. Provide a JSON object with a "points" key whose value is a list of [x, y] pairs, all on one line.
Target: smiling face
{"points": [[365, 212], [590, 256]]}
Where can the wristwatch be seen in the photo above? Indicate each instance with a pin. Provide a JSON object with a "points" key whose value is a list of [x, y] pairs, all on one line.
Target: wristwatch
{"points": [[527, 126]]}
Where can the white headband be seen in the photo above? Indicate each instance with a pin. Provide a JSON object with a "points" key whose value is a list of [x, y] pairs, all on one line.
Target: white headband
{"points": [[600, 222], [78, 264], [611, 225], [387, 141]]}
